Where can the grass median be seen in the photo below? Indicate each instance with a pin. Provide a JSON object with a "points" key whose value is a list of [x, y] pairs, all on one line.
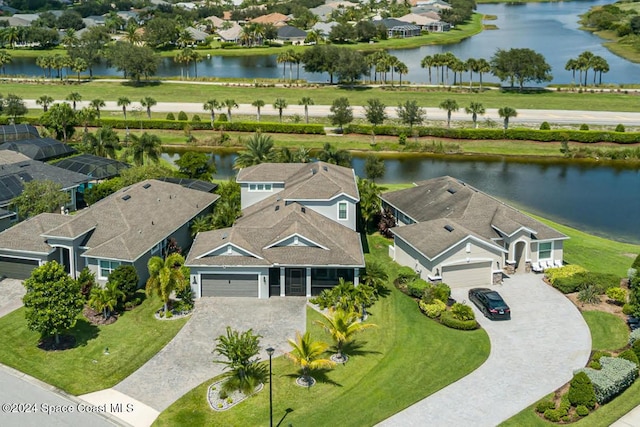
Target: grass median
{"points": [[406, 358], [132, 340]]}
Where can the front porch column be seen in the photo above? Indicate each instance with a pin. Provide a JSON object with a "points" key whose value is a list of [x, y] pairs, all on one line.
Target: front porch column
{"points": [[356, 276], [308, 282], [282, 284]]}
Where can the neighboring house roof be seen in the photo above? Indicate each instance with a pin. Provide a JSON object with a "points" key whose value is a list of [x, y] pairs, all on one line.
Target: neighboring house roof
{"points": [[94, 20], [324, 27], [39, 148], [446, 197], [26, 235], [304, 181], [95, 167], [345, 4], [280, 233], [390, 22], [16, 132], [231, 34], [16, 169], [128, 223], [323, 11], [289, 32], [215, 21], [414, 18], [428, 11], [197, 35], [277, 19], [195, 184]]}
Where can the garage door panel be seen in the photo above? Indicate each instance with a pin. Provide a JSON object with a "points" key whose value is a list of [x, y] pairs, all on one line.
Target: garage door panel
{"points": [[17, 268], [471, 274], [230, 285]]}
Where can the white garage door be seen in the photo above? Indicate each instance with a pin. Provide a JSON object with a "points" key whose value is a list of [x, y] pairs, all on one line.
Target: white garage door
{"points": [[463, 275], [230, 285]]}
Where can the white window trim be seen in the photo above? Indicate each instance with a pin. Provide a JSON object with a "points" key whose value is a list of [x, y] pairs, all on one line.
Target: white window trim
{"points": [[346, 211], [110, 268], [550, 251], [266, 187]]}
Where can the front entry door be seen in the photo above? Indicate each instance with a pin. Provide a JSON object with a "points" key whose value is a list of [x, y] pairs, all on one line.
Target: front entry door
{"points": [[295, 282]]}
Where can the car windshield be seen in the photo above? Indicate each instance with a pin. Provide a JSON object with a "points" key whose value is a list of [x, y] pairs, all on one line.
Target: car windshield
{"points": [[495, 300]]}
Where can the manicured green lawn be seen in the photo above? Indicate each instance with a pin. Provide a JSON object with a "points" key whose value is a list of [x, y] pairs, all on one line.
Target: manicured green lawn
{"points": [[132, 340], [608, 331], [406, 358], [595, 253]]}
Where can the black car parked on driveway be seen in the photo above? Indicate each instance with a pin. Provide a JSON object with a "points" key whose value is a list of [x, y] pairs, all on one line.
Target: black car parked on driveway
{"points": [[490, 303]]}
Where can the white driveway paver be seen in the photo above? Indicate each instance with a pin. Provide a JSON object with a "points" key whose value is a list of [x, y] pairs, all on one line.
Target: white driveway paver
{"points": [[11, 293], [532, 355]]}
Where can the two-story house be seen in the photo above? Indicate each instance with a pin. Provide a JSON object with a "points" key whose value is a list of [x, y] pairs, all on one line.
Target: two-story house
{"points": [[296, 236]]}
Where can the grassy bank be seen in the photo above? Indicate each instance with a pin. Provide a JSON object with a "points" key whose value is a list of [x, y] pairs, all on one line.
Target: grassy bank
{"points": [[325, 95], [406, 358], [132, 340]]}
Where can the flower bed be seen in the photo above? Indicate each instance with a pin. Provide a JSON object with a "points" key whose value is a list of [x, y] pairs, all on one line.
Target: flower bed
{"points": [[218, 404]]}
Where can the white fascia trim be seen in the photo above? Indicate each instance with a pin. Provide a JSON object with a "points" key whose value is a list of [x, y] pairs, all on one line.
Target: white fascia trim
{"points": [[299, 236], [534, 232], [355, 200], [229, 244], [49, 236]]}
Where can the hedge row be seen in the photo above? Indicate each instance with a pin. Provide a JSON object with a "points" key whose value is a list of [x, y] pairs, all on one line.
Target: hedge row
{"points": [[586, 136], [448, 319], [615, 376], [579, 281]]}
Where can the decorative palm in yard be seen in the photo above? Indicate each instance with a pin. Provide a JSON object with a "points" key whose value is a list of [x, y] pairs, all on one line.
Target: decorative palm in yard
{"points": [[307, 354], [342, 326], [165, 276], [240, 349]]}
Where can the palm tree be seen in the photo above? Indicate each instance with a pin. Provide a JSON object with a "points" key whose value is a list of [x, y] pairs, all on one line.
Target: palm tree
{"points": [[427, 62], [12, 35], [124, 102], [78, 66], [258, 103], [200, 224], [131, 32], [259, 149], [334, 156], [307, 354], [96, 104], [401, 68], [482, 66], [145, 146], [246, 370], [99, 300], [5, 58], [104, 143], [165, 276], [74, 97], [45, 101], [375, 275], [283, 58], [600, 65], [306, 101], [342, 326], [449, 105], [148, 102], [506, 113], [585, 63], [474, 109], [572, 65], [85, 116], [280, 104], [43, 62], [472, 67], [230, 104], [70, 38], [211, 105]]}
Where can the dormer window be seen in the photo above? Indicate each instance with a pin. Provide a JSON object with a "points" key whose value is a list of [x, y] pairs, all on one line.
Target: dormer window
{"points": [[260, 187]]}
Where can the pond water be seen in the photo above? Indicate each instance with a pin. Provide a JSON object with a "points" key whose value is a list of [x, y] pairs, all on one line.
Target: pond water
{"points": [[599, 199], [549, 28]]}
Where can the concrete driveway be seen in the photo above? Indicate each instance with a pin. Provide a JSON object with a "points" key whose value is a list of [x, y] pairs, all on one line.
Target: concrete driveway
{"points": [[11, 293], [531, 355], [187, 360]]}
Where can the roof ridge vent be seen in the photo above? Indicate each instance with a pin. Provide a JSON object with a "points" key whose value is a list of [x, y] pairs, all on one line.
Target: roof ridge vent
{"points": [[325, 168], [126, 197], [313, 171], [147, 185], [303, 210], [448, 228], [277, 208], [452, 190]]}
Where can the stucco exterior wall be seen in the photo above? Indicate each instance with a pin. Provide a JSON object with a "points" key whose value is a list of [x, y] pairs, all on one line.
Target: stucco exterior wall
{"points": [[329, 208], [248, 198]]}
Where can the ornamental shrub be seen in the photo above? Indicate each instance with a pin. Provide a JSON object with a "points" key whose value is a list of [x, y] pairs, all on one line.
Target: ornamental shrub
{"points": [[170, 116], [629, 355], [434, 309], [581, 391], [544, 405], [545, 126], [584, 126], [196, 118], [126, 279], [617, 295], [628, 309], [620, 127], [462, 312], [615, 376], [556, 273], [581, 280], [447, 319], [582, 410], [589, 295], [440, 291], [222, 117], [636, 348], [182, 116], [552, 415], [417, 288], [636, 263], [634, 336], [406, 275]]}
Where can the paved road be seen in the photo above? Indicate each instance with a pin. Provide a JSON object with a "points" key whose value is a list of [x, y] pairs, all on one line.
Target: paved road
{"points": [[532, 355], [524, 116]]}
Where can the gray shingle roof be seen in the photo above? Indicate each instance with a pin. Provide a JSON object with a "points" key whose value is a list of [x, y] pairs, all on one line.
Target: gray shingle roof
{"points": [[26, 235], [260, 233], [446, 197]]}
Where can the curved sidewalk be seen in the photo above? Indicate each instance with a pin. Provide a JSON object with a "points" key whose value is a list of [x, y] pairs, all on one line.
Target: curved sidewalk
{"points": [[532, 355]]}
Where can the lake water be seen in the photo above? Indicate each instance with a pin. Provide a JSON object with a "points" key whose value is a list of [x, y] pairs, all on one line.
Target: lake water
{"points": [[548, 28], [600, 199]]}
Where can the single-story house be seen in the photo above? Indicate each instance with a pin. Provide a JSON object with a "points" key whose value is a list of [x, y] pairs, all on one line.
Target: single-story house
{"points": [[231, 34], [42, 149], [126, 228], [426, 22], [296, 236], [288, 33], [276, 19], [452, 232], [198, 36], [399, 29]]}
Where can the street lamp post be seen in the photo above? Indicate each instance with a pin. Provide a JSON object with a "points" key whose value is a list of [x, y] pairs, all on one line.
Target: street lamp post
{"points": [[270, 351]]}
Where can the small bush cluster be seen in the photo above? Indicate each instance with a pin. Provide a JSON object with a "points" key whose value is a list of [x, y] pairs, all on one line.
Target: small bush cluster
{"points": [[615, 376], [582, 410], [553, 274], [545, 405], [405, 276], [630, 355], [447, 318], [434, 309], [561, 413], [578, 281], [545, 126], [182, 116], [634, 336], [595, 359], [617, 295], [581, 391], [438, 291], [417, 287], [170, 116], [589, 295]]}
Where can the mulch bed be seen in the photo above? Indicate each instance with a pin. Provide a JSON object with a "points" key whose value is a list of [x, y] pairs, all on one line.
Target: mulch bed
{"points": [[96, 318], [49, 343]]}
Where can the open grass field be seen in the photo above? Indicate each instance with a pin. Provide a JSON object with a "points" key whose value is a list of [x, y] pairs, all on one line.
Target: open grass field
{"points": [[608, 331], [132, 340], [406, 358]]}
